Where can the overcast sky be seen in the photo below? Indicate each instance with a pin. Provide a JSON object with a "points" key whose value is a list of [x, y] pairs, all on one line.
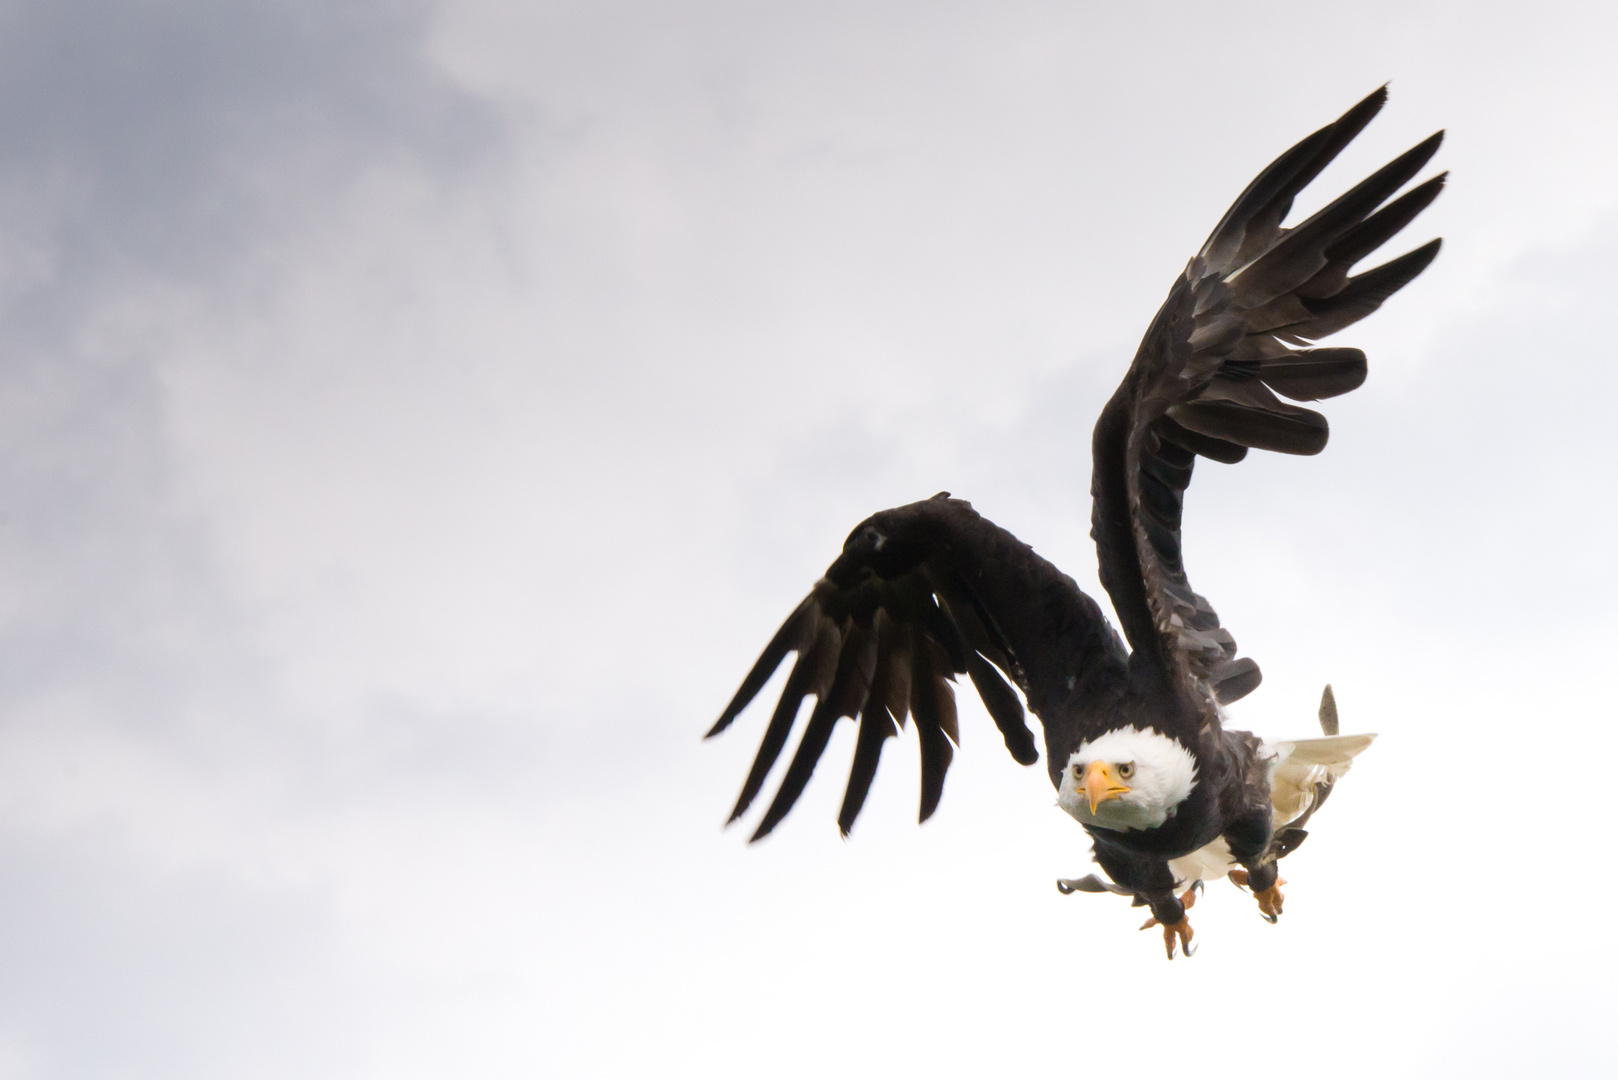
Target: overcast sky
{"points": [[414, 417]]}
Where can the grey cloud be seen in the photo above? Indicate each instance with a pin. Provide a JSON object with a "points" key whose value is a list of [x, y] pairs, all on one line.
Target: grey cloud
{"points": [[117, 968], [161, 137], [151, 146], [151, 150]]}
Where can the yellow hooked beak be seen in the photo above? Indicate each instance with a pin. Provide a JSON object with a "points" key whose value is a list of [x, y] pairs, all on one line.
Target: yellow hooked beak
{"points": [[1100, 786]]}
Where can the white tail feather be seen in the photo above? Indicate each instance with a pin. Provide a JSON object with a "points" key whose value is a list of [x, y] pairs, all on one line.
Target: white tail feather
{"points": [[1300, 764]]}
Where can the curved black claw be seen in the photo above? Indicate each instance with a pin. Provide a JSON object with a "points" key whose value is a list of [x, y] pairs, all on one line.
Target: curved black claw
{"points": [[1270, 901], [1174, 933], [1090, 883]]}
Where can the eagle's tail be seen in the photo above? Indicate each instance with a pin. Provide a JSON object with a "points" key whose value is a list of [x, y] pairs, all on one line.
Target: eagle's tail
{"points": [[1304, 771]]}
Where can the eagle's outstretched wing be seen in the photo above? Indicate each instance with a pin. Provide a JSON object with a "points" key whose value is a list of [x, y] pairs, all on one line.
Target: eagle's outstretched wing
{"points": [[920, 594], [1233, 334]]}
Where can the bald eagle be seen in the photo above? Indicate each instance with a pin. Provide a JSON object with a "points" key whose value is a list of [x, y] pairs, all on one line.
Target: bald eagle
{"points": [[1134, 737]]}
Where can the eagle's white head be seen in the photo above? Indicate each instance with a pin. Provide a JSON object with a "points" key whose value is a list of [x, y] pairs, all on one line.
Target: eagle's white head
{"points": [[1127, 779]]}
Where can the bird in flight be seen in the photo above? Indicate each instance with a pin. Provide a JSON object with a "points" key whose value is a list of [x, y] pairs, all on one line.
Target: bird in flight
{"points": [[1135, 739]]}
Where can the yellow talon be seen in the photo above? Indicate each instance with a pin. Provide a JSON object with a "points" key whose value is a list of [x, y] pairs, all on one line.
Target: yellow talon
{"points": [[1180, 930], [1271, 899]]}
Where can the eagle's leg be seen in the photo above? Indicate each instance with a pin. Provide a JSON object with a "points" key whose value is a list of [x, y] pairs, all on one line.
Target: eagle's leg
{"points": [[1187, 900], [1180, 931], [1153, 884], [1265, 881], [1168, 911], [1270, 900], [1249, 840], [1266, 884]]}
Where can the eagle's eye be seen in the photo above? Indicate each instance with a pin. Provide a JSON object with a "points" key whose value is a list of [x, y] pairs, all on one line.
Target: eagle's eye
{"points": [[1078, 772], [1126, 769]]}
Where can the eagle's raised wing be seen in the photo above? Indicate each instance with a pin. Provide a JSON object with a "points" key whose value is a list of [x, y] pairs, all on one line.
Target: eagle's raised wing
{"points": [[1233, 334], [920, 594]]}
